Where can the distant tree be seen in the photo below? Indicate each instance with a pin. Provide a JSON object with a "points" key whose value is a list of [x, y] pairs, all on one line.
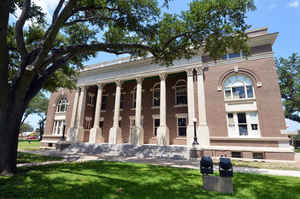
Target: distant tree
{"points": [[47, 53], [26, 128], [38, 105], [289, 81]]}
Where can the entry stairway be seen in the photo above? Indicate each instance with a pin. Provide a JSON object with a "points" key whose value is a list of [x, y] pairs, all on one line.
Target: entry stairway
{"points": [[128, 150]]}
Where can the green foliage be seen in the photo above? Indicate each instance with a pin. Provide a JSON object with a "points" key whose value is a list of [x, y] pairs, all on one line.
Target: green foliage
{"points": [[25, 127], [112, 180], [289, 81], [38, 105], [136, 27]]}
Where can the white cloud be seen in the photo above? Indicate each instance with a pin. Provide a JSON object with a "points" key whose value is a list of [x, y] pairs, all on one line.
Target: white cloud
{"points": [[294, 4]]}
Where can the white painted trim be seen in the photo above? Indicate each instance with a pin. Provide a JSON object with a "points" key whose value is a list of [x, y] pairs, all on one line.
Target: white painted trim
{"points": [[261, 139]]}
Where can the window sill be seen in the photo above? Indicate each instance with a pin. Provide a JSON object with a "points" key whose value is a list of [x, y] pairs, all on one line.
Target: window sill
{"points": [[155, 107], [240, 101], [61, 112], [103, 111], [180, 138], [90, 105], [180, 105]]}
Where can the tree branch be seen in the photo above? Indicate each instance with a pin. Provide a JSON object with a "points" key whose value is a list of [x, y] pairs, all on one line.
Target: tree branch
{"points": [[116, 48], [57, 9], [37, 84], [52, 32], [19, 28]]}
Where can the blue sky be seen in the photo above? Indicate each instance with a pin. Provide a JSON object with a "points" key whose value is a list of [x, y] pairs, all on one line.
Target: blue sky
{"points": [[278, 15]]}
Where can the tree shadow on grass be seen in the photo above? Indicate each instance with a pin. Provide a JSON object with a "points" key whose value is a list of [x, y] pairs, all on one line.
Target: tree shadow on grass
{"points": [[100, 179]]}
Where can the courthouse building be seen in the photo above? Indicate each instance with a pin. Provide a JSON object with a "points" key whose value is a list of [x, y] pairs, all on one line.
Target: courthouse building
{"points": [[235, 103]]}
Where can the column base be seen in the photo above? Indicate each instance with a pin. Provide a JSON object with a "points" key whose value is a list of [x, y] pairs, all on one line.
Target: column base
{"points": [[115, 135], [203, 135], [71, 134], [190, 133], [80, 134], [96, 136], [136, 136], [163, 137]]}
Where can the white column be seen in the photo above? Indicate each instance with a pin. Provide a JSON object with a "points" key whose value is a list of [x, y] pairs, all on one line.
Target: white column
{"points": [[203, 131], [81, 111], [191, 106], [163, 130], [115, 131], [96, 131], [137, 133], [71, 135]]}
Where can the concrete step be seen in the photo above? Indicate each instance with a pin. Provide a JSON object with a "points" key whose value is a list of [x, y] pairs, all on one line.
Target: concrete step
{"points": [[127, 150]]}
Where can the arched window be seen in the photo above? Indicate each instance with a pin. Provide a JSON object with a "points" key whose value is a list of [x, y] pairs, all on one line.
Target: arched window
{"points": [[156, 95], [62, 105], [180, 92], [238, 87]]}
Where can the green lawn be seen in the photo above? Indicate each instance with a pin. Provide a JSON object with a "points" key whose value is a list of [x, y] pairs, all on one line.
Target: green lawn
{"points": [[297, 150], [110, 180], [29, 146], [33, 158]]}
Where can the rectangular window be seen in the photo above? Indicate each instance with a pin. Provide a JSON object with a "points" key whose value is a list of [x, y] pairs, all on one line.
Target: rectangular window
{"points": [[88, 122], [156, 97], [122, 101], [156, 125], [258, 156], [181, 96], [103, 103], [101, 123], [243, 124], [236, 154], [58, 127], [181, 125], [91, 99], [133, 100]]}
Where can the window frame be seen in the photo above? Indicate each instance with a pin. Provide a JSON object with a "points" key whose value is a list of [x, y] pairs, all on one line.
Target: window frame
{"points": [[58, 127], [178, 88], [63, 101], [155, 117], [233, 124], [156, 99], [243, 84], [181, 116], [91, 99]]}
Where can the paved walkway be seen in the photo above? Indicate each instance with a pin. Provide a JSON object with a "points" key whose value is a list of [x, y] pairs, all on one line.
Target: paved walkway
{"points": [[192, 164]]}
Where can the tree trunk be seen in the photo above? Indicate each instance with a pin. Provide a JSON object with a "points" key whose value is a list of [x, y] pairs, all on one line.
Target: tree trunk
{"points": [[9, 130]]}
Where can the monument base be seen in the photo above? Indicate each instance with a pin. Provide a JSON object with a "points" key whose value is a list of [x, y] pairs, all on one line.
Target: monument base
{"points": [[218, 184]]}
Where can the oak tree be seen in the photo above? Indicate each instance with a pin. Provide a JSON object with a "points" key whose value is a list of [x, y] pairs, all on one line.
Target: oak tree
{"points": [[47, 53]]}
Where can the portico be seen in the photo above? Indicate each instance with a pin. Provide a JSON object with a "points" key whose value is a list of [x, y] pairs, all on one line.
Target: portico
{"points": [[136, 133]]}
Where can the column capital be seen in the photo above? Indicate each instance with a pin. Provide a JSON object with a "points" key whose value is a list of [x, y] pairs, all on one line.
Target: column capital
{"points": [[119, 83], [100, 85], [189, 71], [163, 76], [139, 80], [200, 70]]}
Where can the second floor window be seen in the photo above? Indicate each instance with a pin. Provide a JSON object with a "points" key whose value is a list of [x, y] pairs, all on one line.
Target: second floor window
{"points": [[156, 95], [180, 92], [238, 87], [62, 105]]}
